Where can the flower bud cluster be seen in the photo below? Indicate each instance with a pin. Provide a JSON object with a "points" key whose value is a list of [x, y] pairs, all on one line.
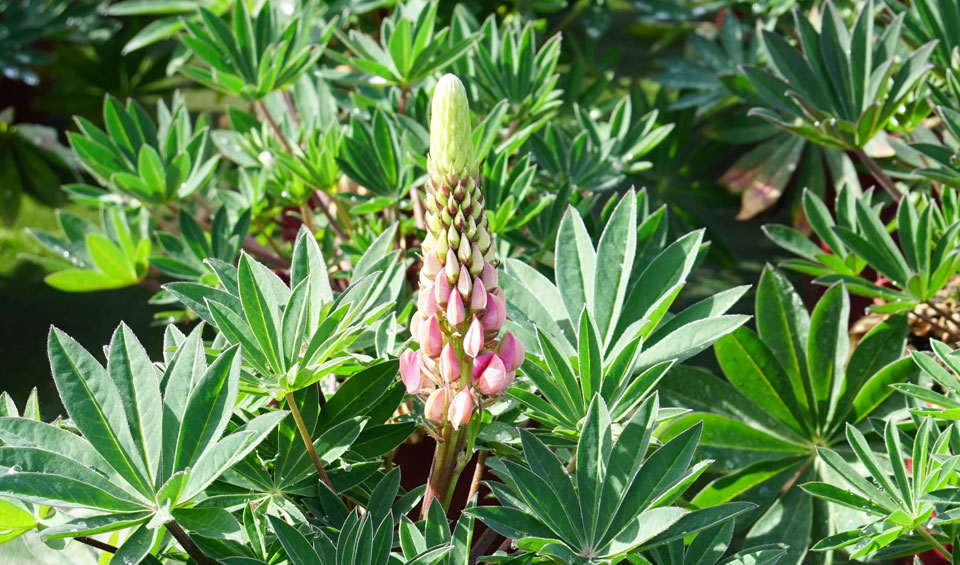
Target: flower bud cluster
{"points": [[460, 305]]}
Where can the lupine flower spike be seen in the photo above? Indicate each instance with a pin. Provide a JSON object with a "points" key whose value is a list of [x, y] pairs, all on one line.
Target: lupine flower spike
{"points": [[460, 307], [462, 362]]}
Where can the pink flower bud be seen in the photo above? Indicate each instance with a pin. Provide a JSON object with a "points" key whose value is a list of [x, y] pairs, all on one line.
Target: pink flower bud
{"points": [[429, 337], [436, 406], [415, 320], [449, 366], [478, 297], [442, 289], [493, 378], [464, 286], [495, 314], [427, 301], [461, 409], [431, 264], [489, 276], [410, 370], [473, 339], [480, 363], [511, 351], [456, 313]]}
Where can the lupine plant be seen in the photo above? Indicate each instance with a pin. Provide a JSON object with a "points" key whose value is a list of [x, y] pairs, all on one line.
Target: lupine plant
{"points": [[481, 282]]}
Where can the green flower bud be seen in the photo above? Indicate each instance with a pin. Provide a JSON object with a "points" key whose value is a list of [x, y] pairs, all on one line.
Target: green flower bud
{"points": [[451, 135]]}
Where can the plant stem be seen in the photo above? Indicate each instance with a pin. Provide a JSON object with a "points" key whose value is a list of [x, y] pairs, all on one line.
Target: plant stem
{"points": [[253, 247], [307, 215], [936, 544], [402, 106], [879, 175], [325, 201], [477, 475], [97, 544], [482, 544], [443, 473], [273, 125], [305, 435], [186, 543]]}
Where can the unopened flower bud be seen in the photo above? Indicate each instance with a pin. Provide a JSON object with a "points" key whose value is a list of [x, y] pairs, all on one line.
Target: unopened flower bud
{"points": [[456, 313], [452, 266], [442, 290], [436, 406], [429, 337], [427, 301], [473, 339], [451, 135], [410, 370], [478, 296], [495, 314], [442, 245], [476, 261], [463, 253], [464, 286], [431, 264], [493, 378], [461, 409], [415, 320], [511, 351], [449, 366], [489, 276]]}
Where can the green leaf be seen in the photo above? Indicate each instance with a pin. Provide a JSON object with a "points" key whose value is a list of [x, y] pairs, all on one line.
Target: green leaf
{"points": [[137, 546], [828, 348], [593, 454], [576, 263], [262, 309], [783, 324], [208, 408], [96, 408], [137, 382], [754, 370], [616, 248], [299, 550]]}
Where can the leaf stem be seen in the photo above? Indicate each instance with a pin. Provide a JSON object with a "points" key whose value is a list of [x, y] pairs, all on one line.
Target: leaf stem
{"points": [[325, 202], [187, 543], [273, 125], [305, 435], [881, 177], [477, 475], [97, 544], [936, 544]]}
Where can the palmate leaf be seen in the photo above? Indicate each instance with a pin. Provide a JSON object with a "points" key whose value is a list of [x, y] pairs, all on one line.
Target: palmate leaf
{"points": [[791, 385], [901, 499], [844, 87], [295, 336], [409, 48], [618, 502], [623, 300], [601, 310], [916, 263], [254, 56], [147, 444]]}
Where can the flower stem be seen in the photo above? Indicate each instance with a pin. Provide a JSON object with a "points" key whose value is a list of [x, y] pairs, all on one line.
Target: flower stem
{"points": [[443, 471], [879, 175], [305, 435], [187, 543], [936, 544]]}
